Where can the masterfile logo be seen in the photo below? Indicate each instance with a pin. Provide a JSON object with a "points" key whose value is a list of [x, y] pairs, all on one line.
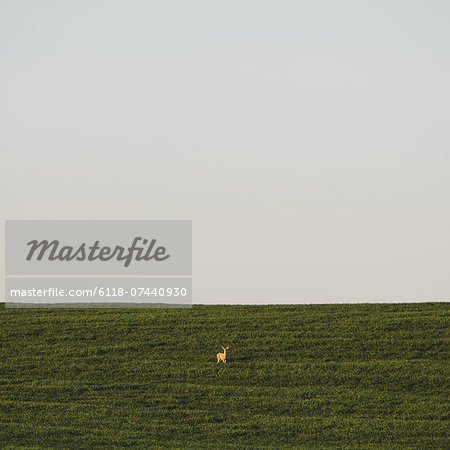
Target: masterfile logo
{"points": [[53, 251], [99, 247], [83, 262]]}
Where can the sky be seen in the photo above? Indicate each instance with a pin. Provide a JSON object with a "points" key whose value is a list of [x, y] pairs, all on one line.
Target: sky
{"points": [[309, 142]]}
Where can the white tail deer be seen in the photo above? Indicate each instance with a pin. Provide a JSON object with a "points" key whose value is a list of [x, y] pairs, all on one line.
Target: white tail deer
{"points": [[222, 356]]}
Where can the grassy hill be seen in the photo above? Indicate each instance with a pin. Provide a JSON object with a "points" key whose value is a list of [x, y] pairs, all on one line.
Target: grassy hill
{"points": [[362, 376]]}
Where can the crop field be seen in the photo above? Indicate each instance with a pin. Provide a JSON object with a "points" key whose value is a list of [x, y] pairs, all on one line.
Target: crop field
{"points": [[356, 376]]}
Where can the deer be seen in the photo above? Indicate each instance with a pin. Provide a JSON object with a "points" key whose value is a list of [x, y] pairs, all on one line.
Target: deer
{"points": [[222, 356]]}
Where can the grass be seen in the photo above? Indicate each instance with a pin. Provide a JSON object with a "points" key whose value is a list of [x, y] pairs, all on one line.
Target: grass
{"points": [[356, 376]]}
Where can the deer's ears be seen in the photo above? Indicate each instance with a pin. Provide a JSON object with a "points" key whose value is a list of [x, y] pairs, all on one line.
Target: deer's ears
{"points": [[228, 346], [223, 347]]}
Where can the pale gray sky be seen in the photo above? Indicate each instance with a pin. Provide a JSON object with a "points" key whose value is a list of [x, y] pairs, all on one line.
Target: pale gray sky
{"points": [[309, 142]]}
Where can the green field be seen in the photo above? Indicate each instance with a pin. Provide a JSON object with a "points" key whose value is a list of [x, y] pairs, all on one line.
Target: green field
{"points": [[359, 376]]}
